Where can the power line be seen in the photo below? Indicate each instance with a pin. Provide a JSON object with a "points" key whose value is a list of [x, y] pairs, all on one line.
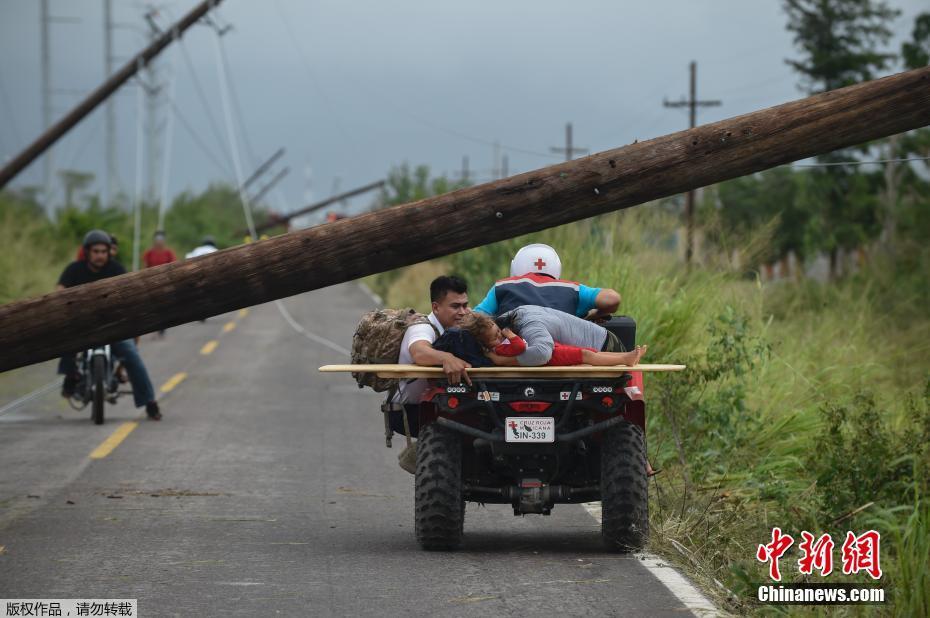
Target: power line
{"points": [[234, 96], [569, 150], [198, 88], [879, 161], [692, 103], [199, 141]]}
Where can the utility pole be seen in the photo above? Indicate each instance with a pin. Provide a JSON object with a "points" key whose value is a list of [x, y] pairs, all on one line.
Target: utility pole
{"points": [[43, 327], [496, 170], [100, 94], [569, 150], [153, 90], [112, 171], [466, 175], [505, 167], [46, 54], [692, 103]]}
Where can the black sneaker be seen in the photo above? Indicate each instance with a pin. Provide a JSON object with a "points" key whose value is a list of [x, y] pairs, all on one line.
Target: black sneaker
{"points": [[69, 386], [151, 408]]}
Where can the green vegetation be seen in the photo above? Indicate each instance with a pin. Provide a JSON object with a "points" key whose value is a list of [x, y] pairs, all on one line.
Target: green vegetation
{"points": [[803, 401], [36, 249]]}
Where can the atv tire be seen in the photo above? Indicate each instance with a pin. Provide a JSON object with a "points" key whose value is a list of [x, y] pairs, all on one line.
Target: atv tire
{"points": [[624, 488], [439, 503]]}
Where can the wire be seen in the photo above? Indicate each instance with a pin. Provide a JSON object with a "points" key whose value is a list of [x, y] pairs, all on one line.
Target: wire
{"points": [[879, 161], [166, 160], [14, 127], [199, 141], [308, 67], [383, 99], [200, 95], [136, 198], [237, 109], [231, 136]]}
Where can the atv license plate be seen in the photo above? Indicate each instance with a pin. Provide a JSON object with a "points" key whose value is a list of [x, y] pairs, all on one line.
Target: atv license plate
{"points": [[527, 429]]}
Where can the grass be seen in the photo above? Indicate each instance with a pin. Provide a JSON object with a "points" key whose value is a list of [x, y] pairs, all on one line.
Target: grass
{"points": [[803, 401]]}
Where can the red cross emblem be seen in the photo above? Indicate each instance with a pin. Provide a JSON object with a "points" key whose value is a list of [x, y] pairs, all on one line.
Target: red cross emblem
{"points": [[539, 263], [513, 425]]}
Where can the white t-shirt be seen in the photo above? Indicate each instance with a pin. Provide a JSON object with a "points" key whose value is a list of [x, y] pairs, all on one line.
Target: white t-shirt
{"points": [[201, 250], [410, 392]]}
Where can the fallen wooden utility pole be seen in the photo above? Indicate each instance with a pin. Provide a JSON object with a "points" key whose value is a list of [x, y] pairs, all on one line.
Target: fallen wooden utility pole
{"points": [[102, 93], [285, 219], [41, 328]]}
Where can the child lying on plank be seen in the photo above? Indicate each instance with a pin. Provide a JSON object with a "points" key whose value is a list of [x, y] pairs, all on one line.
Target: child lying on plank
{"points": [[546, 330]]}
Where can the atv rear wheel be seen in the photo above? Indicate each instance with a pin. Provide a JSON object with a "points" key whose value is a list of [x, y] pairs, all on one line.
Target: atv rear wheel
{"points": [[624, 488], [439, 503]]}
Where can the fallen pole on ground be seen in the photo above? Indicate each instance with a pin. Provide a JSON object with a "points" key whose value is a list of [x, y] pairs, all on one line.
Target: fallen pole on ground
{"points": [[61, 322]]}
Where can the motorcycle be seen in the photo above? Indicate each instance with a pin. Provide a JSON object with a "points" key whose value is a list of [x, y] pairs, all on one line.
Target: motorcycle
{"points": [[98, 382]]}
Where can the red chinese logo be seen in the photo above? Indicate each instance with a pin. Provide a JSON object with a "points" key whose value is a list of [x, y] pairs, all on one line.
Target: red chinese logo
{"points": [[817, 554], [861, 553], [773, 551]]}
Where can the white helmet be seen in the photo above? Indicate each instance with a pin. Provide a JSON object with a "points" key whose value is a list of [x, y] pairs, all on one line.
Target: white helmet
{"points": [[536, 258]]}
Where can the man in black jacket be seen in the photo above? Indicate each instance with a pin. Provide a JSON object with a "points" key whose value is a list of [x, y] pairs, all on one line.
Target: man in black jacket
{"points": [[96, 265]]}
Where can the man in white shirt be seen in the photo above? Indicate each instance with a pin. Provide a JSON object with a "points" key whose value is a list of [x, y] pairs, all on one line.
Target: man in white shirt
{"points": [[208, 245], [449, 297]]}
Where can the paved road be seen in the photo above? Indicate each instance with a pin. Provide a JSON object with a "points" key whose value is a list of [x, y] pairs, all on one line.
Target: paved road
{"points": [[266, 490]]}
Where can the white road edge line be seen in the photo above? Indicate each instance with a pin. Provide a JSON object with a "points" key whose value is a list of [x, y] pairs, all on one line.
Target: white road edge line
{"points": [[377, 300], [311, 336], [30, 396], [684, 591]]}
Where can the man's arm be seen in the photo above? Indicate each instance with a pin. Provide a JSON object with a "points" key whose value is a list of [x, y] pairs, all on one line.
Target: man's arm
{"points": [[424, 355], [539, 345], [607, 301], [489, 304]]}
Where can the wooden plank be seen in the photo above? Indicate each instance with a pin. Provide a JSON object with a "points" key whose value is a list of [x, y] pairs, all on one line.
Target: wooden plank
{"points": [[59, 323], [575, 371]]}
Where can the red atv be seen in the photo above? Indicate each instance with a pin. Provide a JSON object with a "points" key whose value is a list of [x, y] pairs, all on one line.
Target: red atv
{"points": [[534, 443]]}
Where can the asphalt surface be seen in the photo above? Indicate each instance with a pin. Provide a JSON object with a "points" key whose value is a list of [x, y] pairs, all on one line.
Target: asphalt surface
{"points": [[267, 490]]}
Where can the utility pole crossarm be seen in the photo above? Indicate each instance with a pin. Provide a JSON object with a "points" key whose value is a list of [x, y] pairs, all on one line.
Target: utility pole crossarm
{"points": [[285, 218], [100, 94], [62, 322]]}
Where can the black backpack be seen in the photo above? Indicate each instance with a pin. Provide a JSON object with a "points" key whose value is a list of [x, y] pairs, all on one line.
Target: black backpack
{"points": [[462, 344]]}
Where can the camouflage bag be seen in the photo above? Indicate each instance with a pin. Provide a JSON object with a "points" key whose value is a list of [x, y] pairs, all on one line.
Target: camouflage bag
{"points": [[377, 342]]}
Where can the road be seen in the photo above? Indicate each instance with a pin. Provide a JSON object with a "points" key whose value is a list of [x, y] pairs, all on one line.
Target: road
{"points": [[266, 490]]}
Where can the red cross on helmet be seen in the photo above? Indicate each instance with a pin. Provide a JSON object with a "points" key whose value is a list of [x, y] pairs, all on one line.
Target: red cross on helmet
{"points": [[536, 258]]}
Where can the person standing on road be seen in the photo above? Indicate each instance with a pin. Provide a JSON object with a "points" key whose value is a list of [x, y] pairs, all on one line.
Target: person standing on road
{"points": [[207, 245], [158, 254], [98, 264]]}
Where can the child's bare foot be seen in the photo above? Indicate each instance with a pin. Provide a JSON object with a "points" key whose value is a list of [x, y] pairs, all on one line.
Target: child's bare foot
{"points": [[639, 352]]}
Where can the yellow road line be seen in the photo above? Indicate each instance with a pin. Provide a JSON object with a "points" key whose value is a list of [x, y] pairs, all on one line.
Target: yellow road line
{"points": [[173, 381], [106, 447], [243, 313], [208, 347], [228, 326]]}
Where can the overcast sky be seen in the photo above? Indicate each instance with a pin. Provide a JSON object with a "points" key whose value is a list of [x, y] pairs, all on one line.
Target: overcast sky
{"points": [[352, 88]]}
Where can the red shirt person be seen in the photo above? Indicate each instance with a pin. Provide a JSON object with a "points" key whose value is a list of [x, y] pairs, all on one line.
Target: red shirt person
{"points": [[158, 253]]}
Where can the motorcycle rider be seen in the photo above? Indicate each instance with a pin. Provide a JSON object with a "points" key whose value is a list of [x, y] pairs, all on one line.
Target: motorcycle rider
{"points": [[535, 273], [99, 264]]}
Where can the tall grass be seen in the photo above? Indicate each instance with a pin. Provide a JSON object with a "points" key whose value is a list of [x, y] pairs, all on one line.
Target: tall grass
{"points": [[803, 402]]}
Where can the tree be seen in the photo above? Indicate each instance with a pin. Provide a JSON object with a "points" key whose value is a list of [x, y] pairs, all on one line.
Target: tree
{"points": [[405, 185], [74, 182], [839, 42]]}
